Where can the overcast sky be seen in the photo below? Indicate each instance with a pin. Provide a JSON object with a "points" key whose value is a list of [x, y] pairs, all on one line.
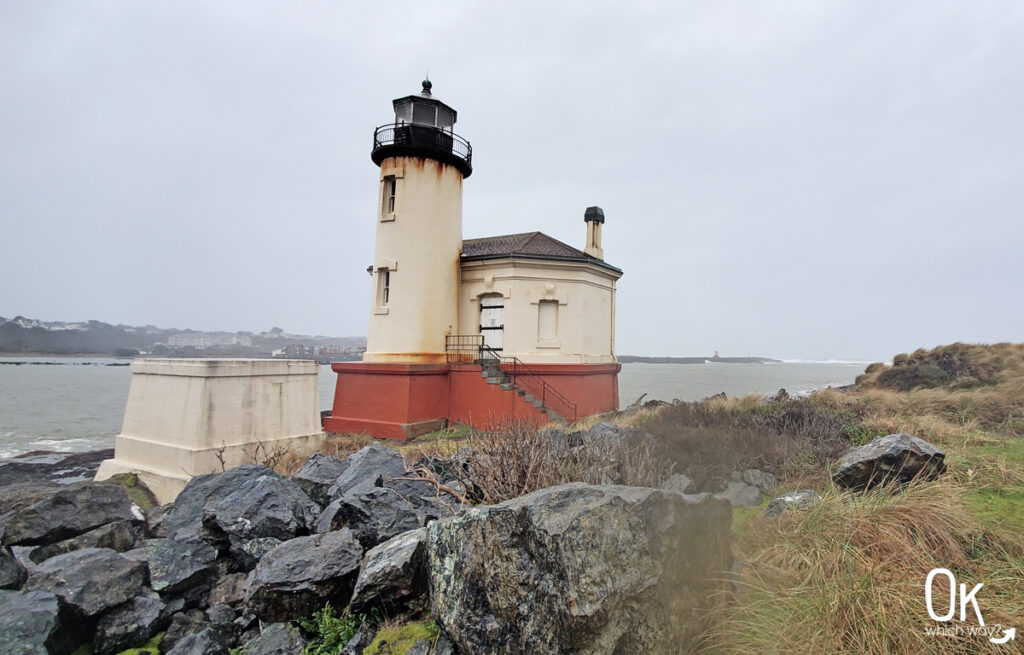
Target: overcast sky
{"points": [[840, 179]]}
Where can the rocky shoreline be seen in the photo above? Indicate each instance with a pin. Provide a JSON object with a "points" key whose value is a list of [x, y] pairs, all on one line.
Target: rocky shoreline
{"points": [[250, 561]]}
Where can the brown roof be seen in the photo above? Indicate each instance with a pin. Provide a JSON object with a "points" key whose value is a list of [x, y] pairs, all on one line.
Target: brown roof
{"points": [[535, 245]]}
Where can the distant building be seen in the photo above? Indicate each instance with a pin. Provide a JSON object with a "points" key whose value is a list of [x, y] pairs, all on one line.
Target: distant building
{"points": [[300, 351], [475, 331], [204, 340]]}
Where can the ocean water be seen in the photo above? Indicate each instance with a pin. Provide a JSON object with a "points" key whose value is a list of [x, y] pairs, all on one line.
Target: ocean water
{"points": [[73, 404]]}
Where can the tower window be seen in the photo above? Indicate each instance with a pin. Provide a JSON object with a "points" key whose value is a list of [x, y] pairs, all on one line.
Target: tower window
{"points": [[388, 203], [383, 287]]}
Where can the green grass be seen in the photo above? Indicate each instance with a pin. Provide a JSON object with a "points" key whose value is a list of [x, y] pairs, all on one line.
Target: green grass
{"points": [[398, 639], [455, 432], [152, 646]]}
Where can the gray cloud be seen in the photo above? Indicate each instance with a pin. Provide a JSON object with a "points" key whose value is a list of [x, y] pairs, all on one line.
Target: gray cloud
{"points": [[800, 180]]}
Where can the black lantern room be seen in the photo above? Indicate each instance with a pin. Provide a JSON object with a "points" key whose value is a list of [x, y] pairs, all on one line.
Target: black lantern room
{"points": [[423, 128]]}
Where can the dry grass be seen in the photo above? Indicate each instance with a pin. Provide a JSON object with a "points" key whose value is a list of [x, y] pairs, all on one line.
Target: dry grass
{"points": [[979, 386], [848, 575]]}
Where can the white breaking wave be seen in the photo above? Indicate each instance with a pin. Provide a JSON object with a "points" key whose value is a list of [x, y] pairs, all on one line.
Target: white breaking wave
{"points": [[851, 362], [61, 445]]}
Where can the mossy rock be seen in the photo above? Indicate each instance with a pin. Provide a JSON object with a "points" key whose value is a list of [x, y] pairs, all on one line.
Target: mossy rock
{"points": [[397, 640], [136, 488]]}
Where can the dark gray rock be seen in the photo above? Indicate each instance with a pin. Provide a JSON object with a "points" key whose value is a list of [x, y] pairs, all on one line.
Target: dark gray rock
{"points": [[393, 577], [131, 624], [579, 568], [765, 482], [561, 439], [91, 580], [277, 639], [299, 576], [444, 646], [155, 517], [119, 535], [229, 590], [267, 506], [794, 500], [606, 435], [368, 467], [893, 458], [19, 495], [740, 494], [421, 647], [318, 474], [49, 469], [247, 623], [360, 640], [70, 512], [678, 483], [206, 642], [424, 496], [177, 564], [201, 493], [30, 624], [222, 619], [12, 573], [182, 625], [374, 514], [246, 553]]}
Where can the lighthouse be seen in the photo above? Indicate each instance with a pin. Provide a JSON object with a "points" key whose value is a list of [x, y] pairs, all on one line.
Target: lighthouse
{"points": [[475, 331], [416, 270]]}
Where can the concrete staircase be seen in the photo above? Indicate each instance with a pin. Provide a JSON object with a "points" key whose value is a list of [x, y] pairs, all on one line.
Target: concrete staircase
{"points": [[492, 373]]}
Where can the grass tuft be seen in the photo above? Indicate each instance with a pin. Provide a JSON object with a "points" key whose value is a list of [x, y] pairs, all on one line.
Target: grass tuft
{"points": [[847, 576], [398, 638]]}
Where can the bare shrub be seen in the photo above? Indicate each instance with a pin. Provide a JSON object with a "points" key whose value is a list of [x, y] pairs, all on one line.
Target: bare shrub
{"points": [[709, 440], [516, 459]]}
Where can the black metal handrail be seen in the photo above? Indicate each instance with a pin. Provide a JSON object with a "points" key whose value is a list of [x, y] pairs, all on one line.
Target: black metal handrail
{"points": [[463, 348], [425, 137], [523, 376]]}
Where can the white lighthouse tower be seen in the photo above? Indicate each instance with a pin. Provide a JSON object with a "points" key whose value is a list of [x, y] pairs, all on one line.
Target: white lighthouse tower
{"points": [[416, 266], [479, 331]]}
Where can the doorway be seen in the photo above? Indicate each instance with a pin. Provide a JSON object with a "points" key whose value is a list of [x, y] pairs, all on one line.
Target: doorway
{"points": [[492, 322]]}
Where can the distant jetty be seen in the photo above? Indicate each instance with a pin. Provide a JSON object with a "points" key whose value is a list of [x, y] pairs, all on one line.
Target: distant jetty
{"points": [[631, 359]]}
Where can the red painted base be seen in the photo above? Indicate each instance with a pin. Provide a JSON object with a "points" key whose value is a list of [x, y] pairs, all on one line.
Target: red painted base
{"points": [[403, 401]]}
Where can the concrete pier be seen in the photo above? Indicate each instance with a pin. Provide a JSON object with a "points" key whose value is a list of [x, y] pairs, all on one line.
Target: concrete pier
{"points": [[186, 417]]}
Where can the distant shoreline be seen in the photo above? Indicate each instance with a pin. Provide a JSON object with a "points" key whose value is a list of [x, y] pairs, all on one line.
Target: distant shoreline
{"points": [[623, 359], [638, 359]]}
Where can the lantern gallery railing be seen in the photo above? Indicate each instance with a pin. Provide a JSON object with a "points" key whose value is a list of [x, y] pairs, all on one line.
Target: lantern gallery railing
{"points": [[410, 139]]}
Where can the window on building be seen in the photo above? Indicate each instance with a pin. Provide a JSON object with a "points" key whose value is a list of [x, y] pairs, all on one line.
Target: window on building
{"points": [[388, 204], [547, 320], [383, 287], [424, 114]]}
